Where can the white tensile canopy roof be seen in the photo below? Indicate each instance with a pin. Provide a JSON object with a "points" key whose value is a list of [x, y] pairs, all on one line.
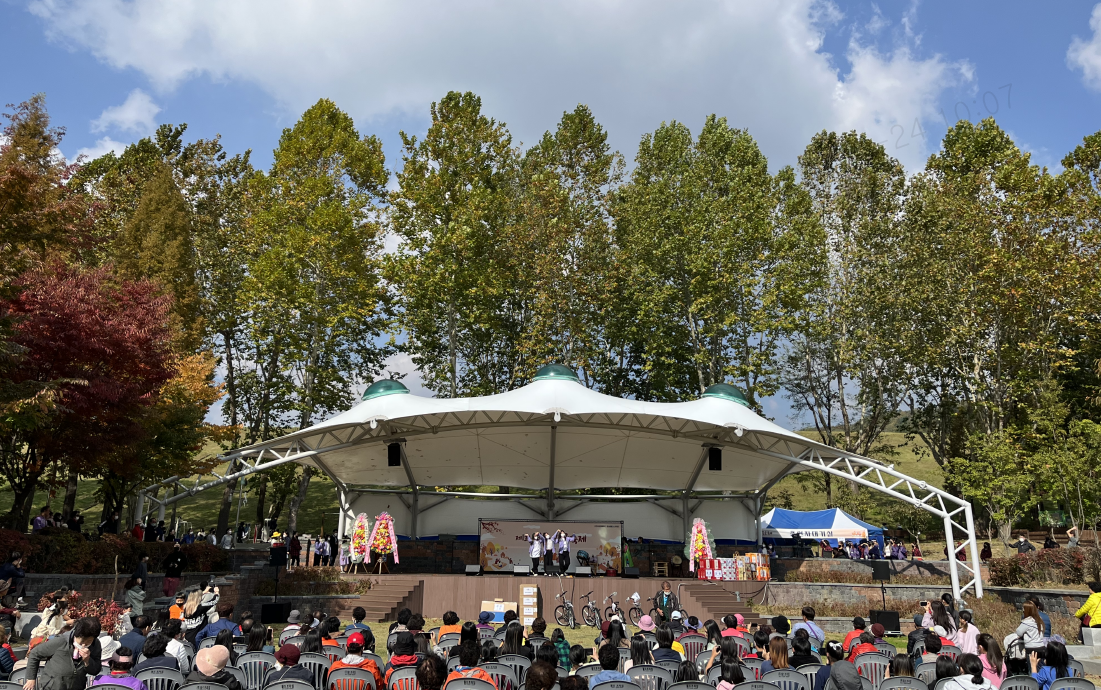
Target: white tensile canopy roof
{"points": [[506, 439], [555, 435]]}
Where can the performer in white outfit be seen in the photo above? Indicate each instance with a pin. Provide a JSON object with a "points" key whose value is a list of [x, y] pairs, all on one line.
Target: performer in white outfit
{"points": [[562, 545], [537, 542]]}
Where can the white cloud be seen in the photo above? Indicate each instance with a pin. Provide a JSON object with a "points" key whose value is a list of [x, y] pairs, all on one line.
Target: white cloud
{"points": [[102, 146], [635, 62], [136, 115], [1086, 55]]}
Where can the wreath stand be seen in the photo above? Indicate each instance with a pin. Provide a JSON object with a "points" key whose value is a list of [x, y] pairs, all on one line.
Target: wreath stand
{"points": [[379, 566]]}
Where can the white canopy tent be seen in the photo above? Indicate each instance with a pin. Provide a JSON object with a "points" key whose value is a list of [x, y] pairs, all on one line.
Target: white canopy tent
{"points": [[556, 435]]}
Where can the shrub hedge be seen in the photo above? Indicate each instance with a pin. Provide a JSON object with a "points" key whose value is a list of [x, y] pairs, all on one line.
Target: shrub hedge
{"points": [[1054, 566], [59, 550]]}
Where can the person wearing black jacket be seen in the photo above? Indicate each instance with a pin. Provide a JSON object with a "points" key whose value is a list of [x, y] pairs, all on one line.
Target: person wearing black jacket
{"points": [[174, 565]]}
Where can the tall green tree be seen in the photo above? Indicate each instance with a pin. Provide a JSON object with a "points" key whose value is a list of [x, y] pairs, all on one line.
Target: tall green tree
{"points": [[711, 280], [317, 305], [453, 212]]}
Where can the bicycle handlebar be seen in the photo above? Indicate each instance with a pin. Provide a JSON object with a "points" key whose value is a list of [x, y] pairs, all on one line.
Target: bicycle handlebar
{"points": [[586, 596]]}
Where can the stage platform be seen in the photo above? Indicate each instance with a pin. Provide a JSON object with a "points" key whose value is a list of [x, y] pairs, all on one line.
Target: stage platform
{"points": [[433, 594]]}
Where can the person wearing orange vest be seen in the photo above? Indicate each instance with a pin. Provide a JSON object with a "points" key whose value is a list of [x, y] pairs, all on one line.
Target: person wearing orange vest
{"points": [[353, 659], [469, 655]]}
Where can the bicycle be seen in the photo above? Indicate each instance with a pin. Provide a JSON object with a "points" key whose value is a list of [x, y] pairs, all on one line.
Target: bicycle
{"points": [[635, 613], [589, 612], [614, 609], [564, 613]]}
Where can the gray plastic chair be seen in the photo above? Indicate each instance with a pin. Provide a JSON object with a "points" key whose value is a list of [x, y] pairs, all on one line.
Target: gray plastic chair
{"points": [[810, 671], [254, 667], [237, 673], [1020, 683], [470, 684], [1072, 684], [693, 645], [887, 648], [319, 664], [404, 678], [291, 684], [20, 675], [755, 685], [452, 664], [195, 685], [295, 640], [206, 642], [689, 685], [350, 679], [951, 651], [787, 679], [160, 678], [927, 672], [754, 664], [9, 685], [503, 674], [520, 664], [903, 683], [588, 670], [669, 665], [1077, 667], [872, 666], [650, 676], [616, 685], [113, 686]]}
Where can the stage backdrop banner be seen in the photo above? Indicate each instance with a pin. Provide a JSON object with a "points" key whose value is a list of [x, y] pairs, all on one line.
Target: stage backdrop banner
{"points": [[503, 545]]}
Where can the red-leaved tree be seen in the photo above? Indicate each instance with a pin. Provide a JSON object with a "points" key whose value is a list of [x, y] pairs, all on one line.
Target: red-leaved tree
{"points": [[103, 345]]}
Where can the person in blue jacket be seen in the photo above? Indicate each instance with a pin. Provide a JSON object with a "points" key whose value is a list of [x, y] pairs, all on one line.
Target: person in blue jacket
{"points": [[1056, 665], [224, 622]]}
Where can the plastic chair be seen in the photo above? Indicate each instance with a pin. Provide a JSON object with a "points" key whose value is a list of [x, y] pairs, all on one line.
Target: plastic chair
{"points": [[238, 674], [484, 634], [624, 657], [519, 664], [1072, 684], [810, 671], [787, 679], [240, 648], [292, 684], [196, 685], [468, 684], [669, 665], [295, 640], [503, 674], [319, 664], [1020, 683], [689, 685], [112, 686], [651, 638], [701, 660], [872, 666], [9, 685], [616, 685], [1077, 667], [446, 645], [951, 651], [927, 672], [887, 648], [716, 672], [433, 632], [865, 684], [693, 645], [206, 642], [350, 679], [453, 663], [160, 678], [335, 653], [743, 645], [288, 632], [450, 636], [588, 670], [942, 683], [650, 676], [254, 666], [755, 685], [903, 683], [754, 664], [499, 635], [404, 678], [375, 658], [562, 672], [390, 640], [537, 642]]}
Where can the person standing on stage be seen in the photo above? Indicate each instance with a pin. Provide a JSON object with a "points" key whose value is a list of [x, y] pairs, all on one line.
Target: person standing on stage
{"points": [[548, 552], [562, 542], [535, 550]]}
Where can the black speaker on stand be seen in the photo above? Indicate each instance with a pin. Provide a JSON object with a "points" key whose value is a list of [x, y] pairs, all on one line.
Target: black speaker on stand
{"points": [[881, 573]]}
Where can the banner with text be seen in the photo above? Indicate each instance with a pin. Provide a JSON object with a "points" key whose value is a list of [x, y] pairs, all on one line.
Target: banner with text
{"points": [[503, 546]]}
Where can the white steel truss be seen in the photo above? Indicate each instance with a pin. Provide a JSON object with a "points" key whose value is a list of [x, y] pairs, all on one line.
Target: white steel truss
{"points": [[310, 446]]}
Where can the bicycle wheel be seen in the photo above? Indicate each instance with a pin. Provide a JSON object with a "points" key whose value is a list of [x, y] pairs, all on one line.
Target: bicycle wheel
{"points": [[635, 614], [562, 616], [608, 613], [592, 618]]}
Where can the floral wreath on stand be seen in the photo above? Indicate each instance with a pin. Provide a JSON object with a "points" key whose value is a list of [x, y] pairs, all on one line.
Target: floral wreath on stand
{"points": [[384, 540], [699, 545], [360, 532]]}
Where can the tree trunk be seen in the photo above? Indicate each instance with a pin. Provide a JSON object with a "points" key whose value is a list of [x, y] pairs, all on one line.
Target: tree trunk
{"points": [[70, 494], [277, 508], [227, 501], [261, 498], [296, 502]]}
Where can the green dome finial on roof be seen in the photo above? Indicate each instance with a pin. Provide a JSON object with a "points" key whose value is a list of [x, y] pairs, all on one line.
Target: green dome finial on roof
{"points": [[556, 372], [384, 387], [726, 392]]}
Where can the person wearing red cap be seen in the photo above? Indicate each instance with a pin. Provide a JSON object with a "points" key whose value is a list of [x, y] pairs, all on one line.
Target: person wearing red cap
{"points": [[354, 658]]}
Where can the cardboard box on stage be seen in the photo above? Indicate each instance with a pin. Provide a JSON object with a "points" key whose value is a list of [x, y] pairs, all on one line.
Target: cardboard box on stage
{"points": [[498, 607]]}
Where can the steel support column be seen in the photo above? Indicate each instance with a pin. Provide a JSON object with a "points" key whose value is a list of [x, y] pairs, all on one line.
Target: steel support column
{"points": [[550, 484], [415, 510]]}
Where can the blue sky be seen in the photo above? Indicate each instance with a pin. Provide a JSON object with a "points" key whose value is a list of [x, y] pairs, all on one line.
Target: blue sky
{"points": [[113, 69]]}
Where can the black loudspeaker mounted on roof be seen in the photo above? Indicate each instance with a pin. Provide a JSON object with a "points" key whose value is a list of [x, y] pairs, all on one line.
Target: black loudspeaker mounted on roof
{"points": [[888, 619], [715, 459], [274, 614], [474, 570], [630, 572], [393, 455]]}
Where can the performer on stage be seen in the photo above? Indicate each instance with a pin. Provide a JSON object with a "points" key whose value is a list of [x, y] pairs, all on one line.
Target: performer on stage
{"points": [[562, 545], [535, 550], [548, 552]]}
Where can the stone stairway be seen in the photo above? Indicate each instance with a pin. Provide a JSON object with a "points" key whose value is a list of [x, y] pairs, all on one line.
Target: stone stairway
{"points": [[712, 601], [388, 595]]}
